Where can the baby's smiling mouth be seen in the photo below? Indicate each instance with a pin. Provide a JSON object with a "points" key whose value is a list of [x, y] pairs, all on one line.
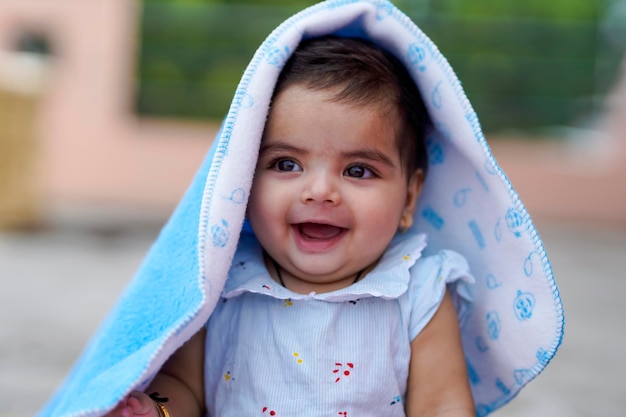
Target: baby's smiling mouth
{"points": [[319, 231]]}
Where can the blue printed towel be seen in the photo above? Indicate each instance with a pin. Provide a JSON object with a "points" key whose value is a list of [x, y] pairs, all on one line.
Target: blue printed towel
{"points": [[467, 205]]}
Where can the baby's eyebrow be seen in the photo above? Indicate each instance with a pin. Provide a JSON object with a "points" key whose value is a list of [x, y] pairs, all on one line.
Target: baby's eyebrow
{"points": [[369, 154], [280, 147]]}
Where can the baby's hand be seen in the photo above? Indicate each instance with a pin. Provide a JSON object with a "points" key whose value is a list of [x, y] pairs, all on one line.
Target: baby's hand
{"points": [[135, 405]]}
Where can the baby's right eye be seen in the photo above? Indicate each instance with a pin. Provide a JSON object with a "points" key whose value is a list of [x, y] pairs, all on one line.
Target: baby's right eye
{"points": [[287, 165]]}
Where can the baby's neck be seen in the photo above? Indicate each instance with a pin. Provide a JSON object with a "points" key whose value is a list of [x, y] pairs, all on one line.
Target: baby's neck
{"points": [[300, 286]]}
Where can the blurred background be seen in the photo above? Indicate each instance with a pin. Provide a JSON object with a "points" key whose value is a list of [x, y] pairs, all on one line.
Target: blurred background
{"points": [[107, 108]]}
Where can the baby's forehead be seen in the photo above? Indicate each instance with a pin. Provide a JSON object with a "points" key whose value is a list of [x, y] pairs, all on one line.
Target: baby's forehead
{"points": [[385, 102]]}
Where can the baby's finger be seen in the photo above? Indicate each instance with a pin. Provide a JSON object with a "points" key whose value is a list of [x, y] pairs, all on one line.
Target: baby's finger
{"points": [[141, 404]]}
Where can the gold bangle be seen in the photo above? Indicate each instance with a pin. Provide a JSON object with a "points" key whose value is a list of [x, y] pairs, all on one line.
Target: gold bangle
{"points": [[162, 409]]}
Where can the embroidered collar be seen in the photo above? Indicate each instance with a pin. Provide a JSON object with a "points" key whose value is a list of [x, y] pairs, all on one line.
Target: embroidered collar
{"points": [[389, 279]]}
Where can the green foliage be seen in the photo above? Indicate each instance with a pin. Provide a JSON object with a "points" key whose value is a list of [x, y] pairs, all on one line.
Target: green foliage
{"points": [[521, 73], [553, 9], [523, 63], [299, 4], [187, 66]]}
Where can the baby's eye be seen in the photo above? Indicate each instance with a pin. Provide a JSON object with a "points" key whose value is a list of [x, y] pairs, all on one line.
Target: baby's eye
{"points": [[287, 165], [359, 171]]}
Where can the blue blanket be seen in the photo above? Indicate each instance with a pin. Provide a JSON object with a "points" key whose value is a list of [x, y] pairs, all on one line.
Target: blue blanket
{"points": [[468, 205]]}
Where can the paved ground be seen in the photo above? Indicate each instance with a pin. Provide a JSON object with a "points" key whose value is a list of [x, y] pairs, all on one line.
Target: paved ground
{"points": [[57, 286]]}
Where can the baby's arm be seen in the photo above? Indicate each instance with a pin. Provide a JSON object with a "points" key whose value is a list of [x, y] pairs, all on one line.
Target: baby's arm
{"points": [[180, 380], [438, 383]]}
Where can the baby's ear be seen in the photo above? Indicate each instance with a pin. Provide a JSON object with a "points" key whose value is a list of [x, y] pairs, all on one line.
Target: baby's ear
{"points": [[414, 188]]}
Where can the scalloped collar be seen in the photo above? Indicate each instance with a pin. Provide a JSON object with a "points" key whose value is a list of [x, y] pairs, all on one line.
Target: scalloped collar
{"points": [[389, 279]]}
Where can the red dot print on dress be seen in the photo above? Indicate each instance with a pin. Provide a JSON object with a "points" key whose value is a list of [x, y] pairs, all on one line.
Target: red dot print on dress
{"points": [[342, 370], [267, 411]]}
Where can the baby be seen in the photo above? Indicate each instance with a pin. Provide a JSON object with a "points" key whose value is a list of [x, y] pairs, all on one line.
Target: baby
{"points": [[329, 308]]}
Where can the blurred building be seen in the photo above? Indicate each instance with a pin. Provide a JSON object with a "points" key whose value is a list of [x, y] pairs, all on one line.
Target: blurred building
{"points": [[73, 150]]}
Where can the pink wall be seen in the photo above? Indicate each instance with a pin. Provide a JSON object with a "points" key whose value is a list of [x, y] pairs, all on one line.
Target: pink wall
{"points": [[93, 152]]}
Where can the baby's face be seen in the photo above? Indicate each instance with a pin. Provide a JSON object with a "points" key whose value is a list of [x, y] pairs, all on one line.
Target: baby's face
{"points": [[329, 190]]}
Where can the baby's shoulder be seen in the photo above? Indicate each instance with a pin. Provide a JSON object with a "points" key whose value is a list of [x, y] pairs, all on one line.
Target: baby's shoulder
{"points": [[443, 257], [444, 266]]}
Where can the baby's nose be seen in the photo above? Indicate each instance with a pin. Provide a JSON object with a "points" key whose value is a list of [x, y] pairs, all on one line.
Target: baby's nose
{"points": [[321, 189]]}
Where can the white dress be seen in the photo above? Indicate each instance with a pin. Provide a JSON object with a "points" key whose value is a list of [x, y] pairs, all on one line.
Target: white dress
{"points": [[272, 352]]}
